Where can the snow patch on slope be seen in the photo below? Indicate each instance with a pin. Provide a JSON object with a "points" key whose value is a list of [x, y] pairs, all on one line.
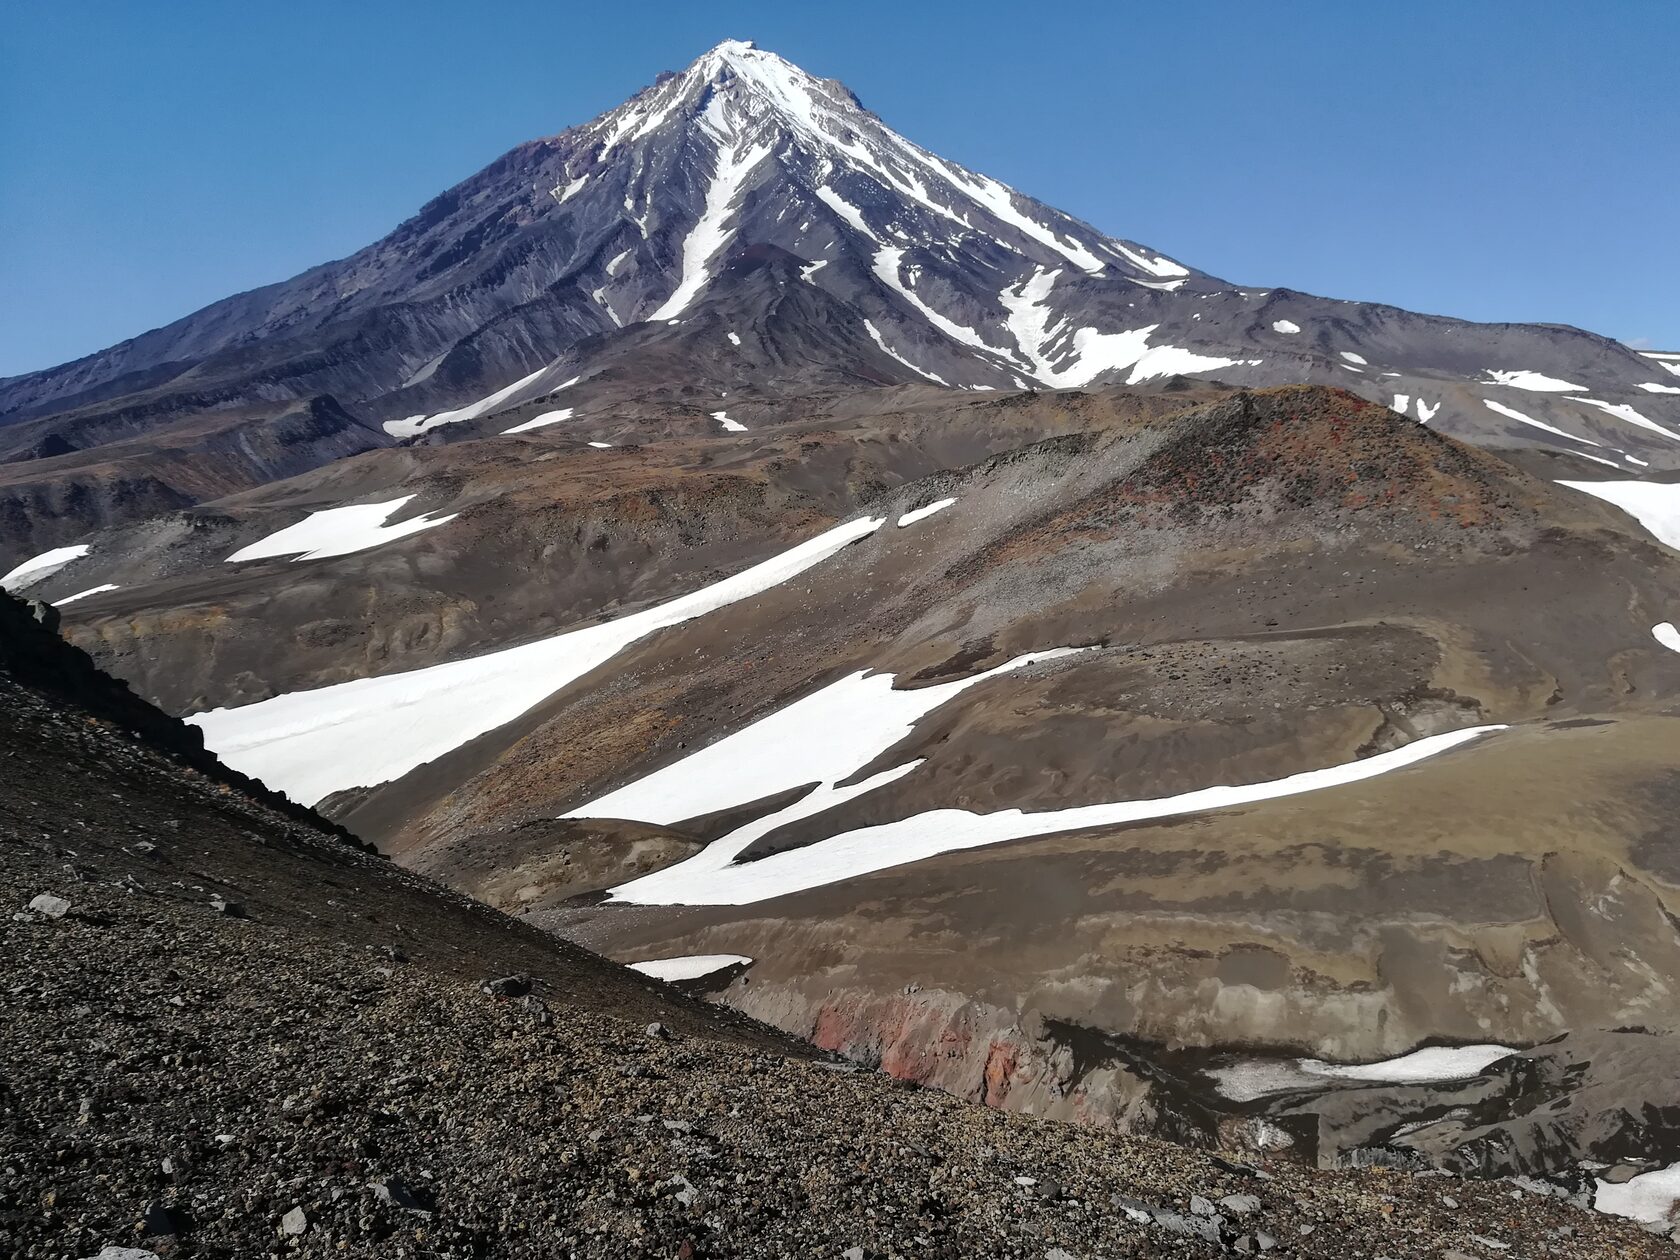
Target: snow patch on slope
{"points": [[711, 233], [1652, 504], [40, 568], [1534, 381], [689, 966], [310, 744], [338, 531], [1511, 413], [542, 421]]}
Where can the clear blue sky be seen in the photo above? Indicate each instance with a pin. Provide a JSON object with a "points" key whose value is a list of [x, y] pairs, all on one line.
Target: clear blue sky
{"points": [[1494, 160]]}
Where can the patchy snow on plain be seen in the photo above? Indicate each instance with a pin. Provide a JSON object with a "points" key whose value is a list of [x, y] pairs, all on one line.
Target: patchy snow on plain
{"points": [[310, 744], [338, 532], [92, 590], [538, 422], [1624, 412], [602, 446], [1533, 381], [689, 966], [1652, 504], [1649, 1196], [40, 568], [711, 232], [829, 735], [1287, 326], [1511, 413], [729, 426], [1665, 633], [922, 513]]}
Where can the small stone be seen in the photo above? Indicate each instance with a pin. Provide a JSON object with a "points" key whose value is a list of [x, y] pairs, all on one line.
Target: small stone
{"points": [[165, 1221], [507, 986], [1263, 1240], [659, 1032], [852, 1253], [49, 905], [1026, 1181], [125, 1253], [221, 905], [294, 1223], [1240, 1204], [1202, 1207], [1447, 1201]]}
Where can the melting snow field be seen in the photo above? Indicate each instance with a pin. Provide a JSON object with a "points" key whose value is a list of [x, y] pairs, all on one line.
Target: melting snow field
{"points": [[542, 421], [40, 568], [1256, 1078], [1648, 1197], [338, 532], [690, 966], [729, 426], [310, 744], [1534, 381], [821, 740], [922, 513], [1652, 504]]}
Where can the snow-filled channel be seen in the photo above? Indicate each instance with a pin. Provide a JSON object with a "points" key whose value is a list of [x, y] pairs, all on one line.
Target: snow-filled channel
{"points": [[689, 966], [1649, 1196], [1627, 414], [1652, 504], [40, 568], [310, 744], [824, 738], [339, 532], [922, 513], [534, 385], [729, 426], [1250, 1079], [92, 590], [1511, 413], [712, 232]]}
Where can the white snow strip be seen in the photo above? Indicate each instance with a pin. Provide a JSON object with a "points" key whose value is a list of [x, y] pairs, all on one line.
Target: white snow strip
{"points": [[525, 387], [734, 339], [1432, 1063], [829, 735], [1598, 459], [1348, 367], [729, 426], [310, 744], [847, 211], [1513, 414], [1156, 266], [1250, 1079], [1652, 504], [538, 422], [92, 590], [1634, 459], [710, 234], [1173, 361], [572, 189], [1286, 326], [811, 269], [890, 352], [1426, 411], [998, 201], [887, 263], [1532, 381], [1401, 402], [1351, 357], [922, 513], [1624, 412], [1648, 1196], [338, 532], [689, 966], [1651, 387], [40, 568], [1665, 633], [618, 261]]}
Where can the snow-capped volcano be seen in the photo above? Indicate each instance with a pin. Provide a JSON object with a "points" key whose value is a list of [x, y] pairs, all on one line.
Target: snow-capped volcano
{"points": [[746, 227]]}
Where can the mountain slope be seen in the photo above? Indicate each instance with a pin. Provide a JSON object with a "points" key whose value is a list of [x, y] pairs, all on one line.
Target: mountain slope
{"points": [[530, 273]]}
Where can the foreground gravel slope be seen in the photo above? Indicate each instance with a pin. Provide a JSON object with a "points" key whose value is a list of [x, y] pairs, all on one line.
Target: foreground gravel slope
{"points": [[245, 1037]]}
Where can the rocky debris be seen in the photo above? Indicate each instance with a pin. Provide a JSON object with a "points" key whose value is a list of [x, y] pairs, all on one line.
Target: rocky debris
{"points": [[49, 905], [506, 986], [221, 905], [405, 1114]]}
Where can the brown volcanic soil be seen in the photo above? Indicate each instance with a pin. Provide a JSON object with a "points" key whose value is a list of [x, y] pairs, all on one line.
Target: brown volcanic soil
{"points": [[318, 1073]]}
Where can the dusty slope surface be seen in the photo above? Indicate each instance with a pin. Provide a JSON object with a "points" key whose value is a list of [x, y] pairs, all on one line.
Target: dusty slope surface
{"points": [[313, 1069]]}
